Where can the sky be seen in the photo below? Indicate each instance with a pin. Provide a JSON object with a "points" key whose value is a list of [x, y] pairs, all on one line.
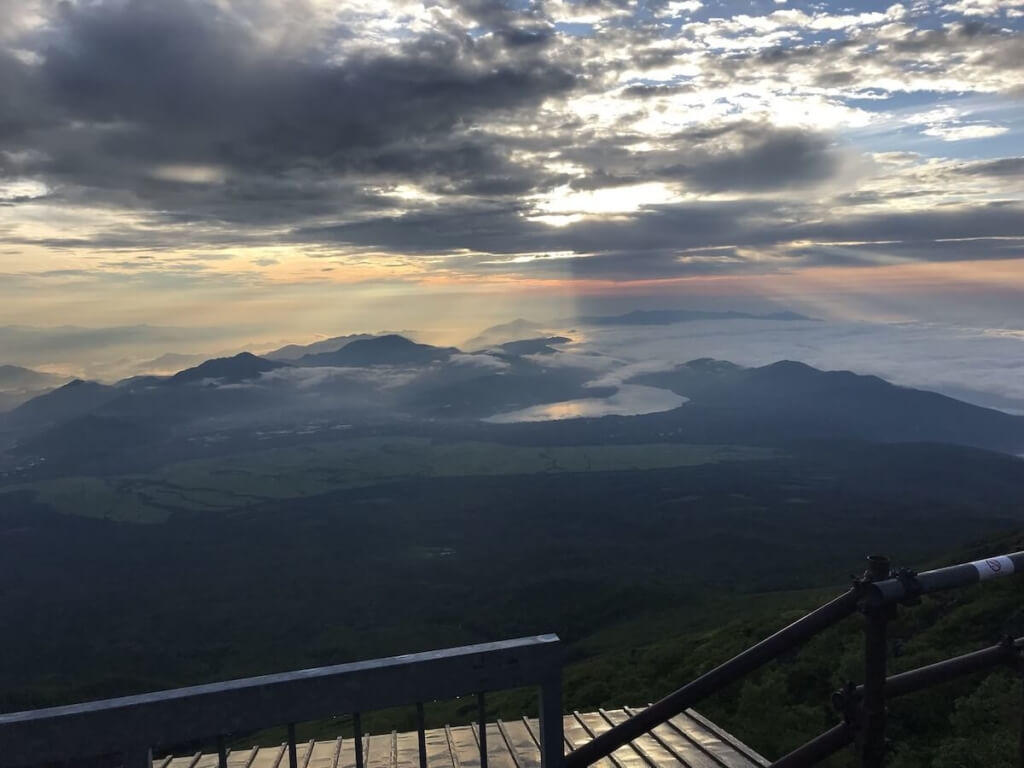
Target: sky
{"points": [[289, 168]]}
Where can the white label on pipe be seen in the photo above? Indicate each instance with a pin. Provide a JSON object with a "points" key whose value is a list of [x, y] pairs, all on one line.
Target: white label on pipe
{"points": [[994, 566]]}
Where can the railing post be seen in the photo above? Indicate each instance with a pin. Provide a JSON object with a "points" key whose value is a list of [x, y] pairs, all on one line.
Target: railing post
{"points": [[1019, 666], [421, 733], [876, 617], [357, 728], [552, 736], [137, 757], [481, 706], [293, 758]]}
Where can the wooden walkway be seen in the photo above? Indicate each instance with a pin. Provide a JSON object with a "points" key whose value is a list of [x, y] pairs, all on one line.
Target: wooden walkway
{"points": [[687, 741]]}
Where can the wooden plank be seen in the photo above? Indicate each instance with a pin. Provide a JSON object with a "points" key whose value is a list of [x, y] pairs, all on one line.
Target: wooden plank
{"points": [[647, 748], [252, 757], [209, 760], [498, 755], [533, 726], [321, 754], [682, 743], [407, 750], [240, 758], [438, 752], [687, 741], [624, 757], [464, 747], [738, 745], [521, 746], [722, 754], [378, 751], [269, 757], [347, 756], [453, 750], [187, 761]]}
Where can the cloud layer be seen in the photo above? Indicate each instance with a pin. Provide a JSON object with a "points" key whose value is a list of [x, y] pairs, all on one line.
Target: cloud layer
{"points": [[259, 142]]}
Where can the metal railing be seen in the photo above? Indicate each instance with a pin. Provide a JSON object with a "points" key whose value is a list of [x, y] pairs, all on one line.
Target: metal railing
{"points": [[134, 726], [876, 595]]}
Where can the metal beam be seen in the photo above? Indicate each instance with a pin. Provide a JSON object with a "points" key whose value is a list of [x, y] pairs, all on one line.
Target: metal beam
{"points": [[912, 681], [910, 585]]}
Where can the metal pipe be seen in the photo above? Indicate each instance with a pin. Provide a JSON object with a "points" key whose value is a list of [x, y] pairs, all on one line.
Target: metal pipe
{"points": [[1020, 734], [421, 734], [293, 758], [552, 733], [357, 727], [818, 748], [965, 574], [481, 704], [915, 680], [137, 757], [716, 679], [834, 739], [876, 619]]}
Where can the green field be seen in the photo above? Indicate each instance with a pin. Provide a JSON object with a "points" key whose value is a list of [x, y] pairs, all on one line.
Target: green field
{"points": [[239, 480]]}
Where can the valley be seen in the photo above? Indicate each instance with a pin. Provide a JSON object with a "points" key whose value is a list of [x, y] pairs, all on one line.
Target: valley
{"points": [[251, 515]]}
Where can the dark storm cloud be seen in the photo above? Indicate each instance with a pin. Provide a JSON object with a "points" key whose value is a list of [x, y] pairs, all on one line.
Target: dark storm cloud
{"points": [[767, 158], [509, 232], [737, 156], [1003, 167], [979, 221], [127, 88], [650, 91], [696, 239]]}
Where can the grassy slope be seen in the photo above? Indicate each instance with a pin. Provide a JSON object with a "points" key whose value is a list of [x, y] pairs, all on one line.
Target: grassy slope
{"points": [[225, 483]]}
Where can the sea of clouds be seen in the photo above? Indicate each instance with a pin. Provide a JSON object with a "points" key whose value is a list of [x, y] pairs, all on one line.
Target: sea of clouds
{"points": [[981, 365]]}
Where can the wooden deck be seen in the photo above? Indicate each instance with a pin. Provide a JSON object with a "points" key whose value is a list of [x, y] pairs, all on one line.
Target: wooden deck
{"points": [[687, 741]]}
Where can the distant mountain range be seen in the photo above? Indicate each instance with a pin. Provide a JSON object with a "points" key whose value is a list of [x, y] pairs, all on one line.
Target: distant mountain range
{"points": [[792, 400], [18, 385], [395, 381], [16, 378]]}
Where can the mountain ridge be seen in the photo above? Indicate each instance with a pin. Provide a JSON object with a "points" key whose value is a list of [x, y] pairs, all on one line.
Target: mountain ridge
{"points": [[790, 394], [240, 367], [389, 349]]}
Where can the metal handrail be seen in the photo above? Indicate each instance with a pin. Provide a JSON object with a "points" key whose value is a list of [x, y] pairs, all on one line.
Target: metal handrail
{"points": [[716, 679], [134, 725], [876, 593], [907, 584], [912, 681]]}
